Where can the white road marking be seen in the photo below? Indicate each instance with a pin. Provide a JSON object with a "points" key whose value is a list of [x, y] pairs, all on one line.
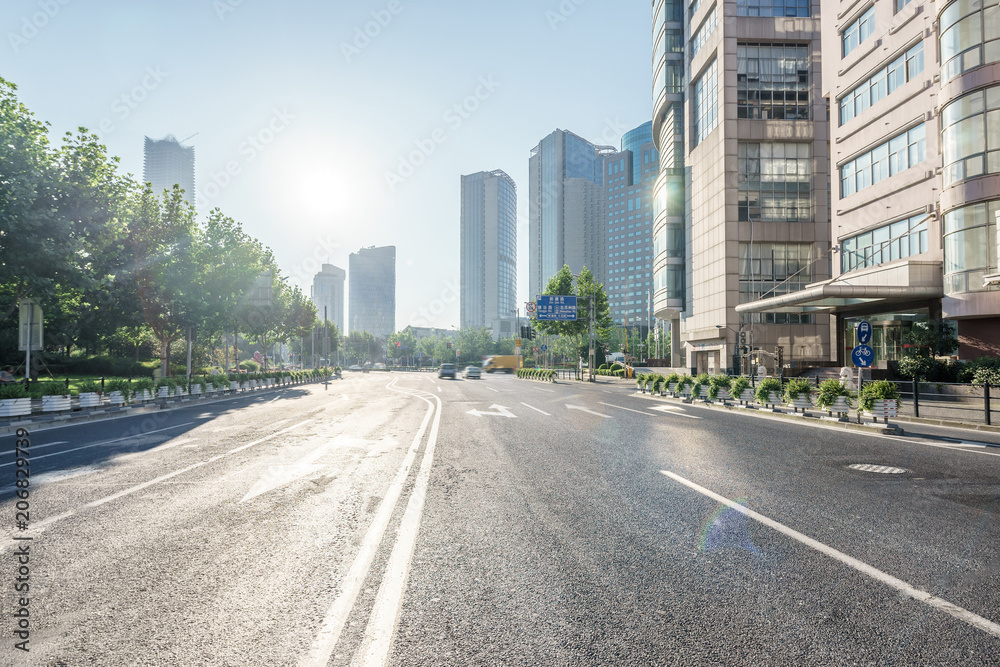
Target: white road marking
{"points": [[906, 589], [501, 411], [336, 617], [612, 405], [382, 623], [492, 389], [278, 476], [673, 410], [536, 409], [581, 409], [36, 447], [439, 388], [551, 391], [99, 444], [346, 397]]}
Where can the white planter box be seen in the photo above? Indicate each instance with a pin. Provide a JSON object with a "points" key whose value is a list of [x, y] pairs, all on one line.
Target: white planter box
{"points": [[703, 392], [163, 392], [747, 395], [90, 400], [234, 386], [196, 390], [55, 403], [672, 387], [801, 402], [116, 398], [15, 407], [773, 399], [723, 394], [839, 406], [885, 408], [147, 394]]}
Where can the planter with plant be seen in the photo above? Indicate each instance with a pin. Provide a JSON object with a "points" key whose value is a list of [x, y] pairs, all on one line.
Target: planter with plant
{"points": [[797, 393], [741, 390], [119, 391], [684, 385], [718, 389], [641, 380], [834, 397], [880, 399], [702, 384], [671, 382], [14, 400], [90, 394], [768, 391], [655, 383], [143, 389], [164, 387], [55, 396]]}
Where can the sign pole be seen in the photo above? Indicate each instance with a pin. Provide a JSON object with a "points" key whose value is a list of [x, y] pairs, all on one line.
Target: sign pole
{"points": [[27, 354]]}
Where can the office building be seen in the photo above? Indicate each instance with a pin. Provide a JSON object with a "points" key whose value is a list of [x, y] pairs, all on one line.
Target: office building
{"points": [[166, 163], [629, 177], [914, 90], [328, 294], [566, 208], [488, 249], [741, 201], [372, 290]]}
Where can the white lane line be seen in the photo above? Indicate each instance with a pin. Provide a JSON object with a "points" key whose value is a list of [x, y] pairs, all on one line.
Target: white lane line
{"points": [[336, 617], [99, 444], [40, 525], [673, 410], [906, 589], [551, 391], [612, 405], [36, 447], [382, 623], [582, 409], [536, 409], [492, 389]]}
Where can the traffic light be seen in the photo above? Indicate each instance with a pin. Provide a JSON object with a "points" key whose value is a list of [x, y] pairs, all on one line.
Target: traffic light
{"points": [[531, 333], [398, 344], [743, 339], [781, 355], [449, 346]]}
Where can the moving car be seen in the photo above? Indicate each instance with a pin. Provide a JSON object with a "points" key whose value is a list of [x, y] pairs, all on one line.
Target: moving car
{"points": [[473, 372], [379, 367], [447, 371], [354, 367]]}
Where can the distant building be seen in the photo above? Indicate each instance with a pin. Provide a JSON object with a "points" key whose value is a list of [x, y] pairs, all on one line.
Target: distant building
{"points": [[372, 289], [167, 163], [328, 293], [566, 208], [488, 248], [629, 176]]}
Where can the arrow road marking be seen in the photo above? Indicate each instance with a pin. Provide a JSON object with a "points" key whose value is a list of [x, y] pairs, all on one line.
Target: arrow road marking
{"points": [[581, 409], [621, 407], [673, 410], [278, 476], [501, 412], [535, 409]]}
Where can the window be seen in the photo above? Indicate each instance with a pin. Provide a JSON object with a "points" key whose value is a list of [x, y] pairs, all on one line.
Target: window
{"points": [[773, 8], [772, 81], [884, 82], [903, 151], [706, 103], [775, 182], [899, 4], [970, 36], [970, 246], [858, 31], [703, 33], [897, 240], [970, 138], [773, 269]]}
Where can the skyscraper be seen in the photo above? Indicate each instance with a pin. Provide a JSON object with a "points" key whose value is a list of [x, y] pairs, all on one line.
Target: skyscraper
{"points": [[489, 248], [566, 209], [914, 90], [741, 202], [629, 176], [328, 293], [167, 163], [372, 290]]}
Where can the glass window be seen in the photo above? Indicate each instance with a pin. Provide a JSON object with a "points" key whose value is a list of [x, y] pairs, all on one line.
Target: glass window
{"points": [[970, 36], [858, 31], [772, 269], [903, 151], [896, 240], [703, 33], [774, 182], [970, 135], [773, 81], [773, 8], [706, 103], [883, 83]]}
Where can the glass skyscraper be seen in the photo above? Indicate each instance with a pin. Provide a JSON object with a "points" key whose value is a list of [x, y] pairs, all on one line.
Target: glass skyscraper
{"points": [[372, 306], [489, 248], [167, 163]]}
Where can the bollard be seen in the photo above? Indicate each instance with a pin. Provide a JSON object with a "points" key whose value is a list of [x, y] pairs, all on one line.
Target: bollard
{"points": [[916, 398], [986, 401]]}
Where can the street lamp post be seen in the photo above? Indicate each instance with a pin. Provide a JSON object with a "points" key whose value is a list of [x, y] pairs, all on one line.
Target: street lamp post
{"points": [[737, 351]]}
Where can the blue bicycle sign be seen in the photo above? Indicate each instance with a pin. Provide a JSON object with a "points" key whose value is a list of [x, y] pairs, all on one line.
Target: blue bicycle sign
{"points": [[863, 356]]}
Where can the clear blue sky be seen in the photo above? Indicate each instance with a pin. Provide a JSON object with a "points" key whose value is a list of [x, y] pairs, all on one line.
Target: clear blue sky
{"points": [[331, 122]]}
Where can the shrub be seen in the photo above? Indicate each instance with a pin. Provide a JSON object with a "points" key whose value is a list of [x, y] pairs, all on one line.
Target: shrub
{"points": [[51, 389], [89, 387], [880, 389], [829, 391], [968, 372], [201, 382], [702, 380], [717, 383], [250, 366], [13, 390], [684, 381], [143, 384], [919, 368], [105, 366], [641, 379], [658, 383], [797, 387], [738, 386], [121, 385], [765, 388], [672, 378]]}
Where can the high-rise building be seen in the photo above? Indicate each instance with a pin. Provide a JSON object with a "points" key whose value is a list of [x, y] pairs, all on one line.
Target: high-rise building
{"points": [[914, 90], [167, 163], [566, 209], [328, 294], [629, 176], [372, 290], [489, 249], [741, 202]]}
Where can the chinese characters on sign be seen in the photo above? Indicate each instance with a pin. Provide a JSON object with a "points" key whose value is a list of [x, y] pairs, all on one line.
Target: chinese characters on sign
{"points": [[556, 308]]}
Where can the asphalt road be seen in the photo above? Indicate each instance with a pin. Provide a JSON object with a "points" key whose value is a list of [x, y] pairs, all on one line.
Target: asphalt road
{"points": [[402, 519]]}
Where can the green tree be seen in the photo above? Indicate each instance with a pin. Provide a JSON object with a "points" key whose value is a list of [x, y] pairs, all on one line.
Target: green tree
{"points": [[402, 345], [361, 347]]}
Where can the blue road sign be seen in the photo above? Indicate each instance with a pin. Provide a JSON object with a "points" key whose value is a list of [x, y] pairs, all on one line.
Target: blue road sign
{"points": [[864, 332], [556, 308], [863, 356], [545, 348]]}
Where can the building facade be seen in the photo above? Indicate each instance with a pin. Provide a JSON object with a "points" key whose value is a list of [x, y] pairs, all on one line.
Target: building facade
{"points": [[372, 291], [167, 163], [566, 208], [328, 294], [914, 89], [741, 205], [488, 249], [629, 176]]}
